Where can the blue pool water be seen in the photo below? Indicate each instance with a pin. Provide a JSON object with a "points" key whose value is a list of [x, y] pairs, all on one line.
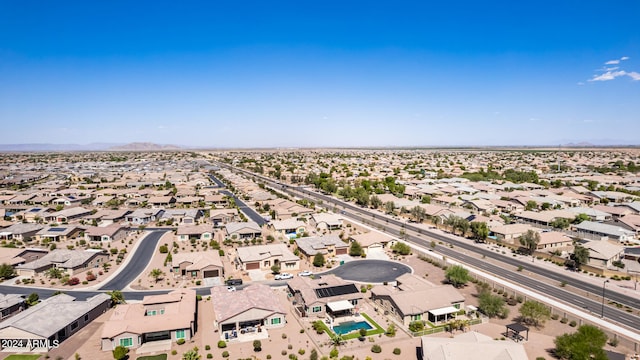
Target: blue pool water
{"points": [[349, 326]]}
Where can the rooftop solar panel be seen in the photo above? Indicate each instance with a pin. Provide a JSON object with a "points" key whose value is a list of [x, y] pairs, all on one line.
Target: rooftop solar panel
{"points": [[57, 229], [336, 290], [35, 210]]}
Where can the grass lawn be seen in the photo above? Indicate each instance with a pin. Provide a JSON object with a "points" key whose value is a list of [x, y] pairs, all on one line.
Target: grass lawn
{"points": [[375, 331], [153, 357], [22, 357]]}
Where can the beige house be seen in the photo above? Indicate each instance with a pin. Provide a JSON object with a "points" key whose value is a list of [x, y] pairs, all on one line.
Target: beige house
{"points": [[326, 221], [373, 242], [69, 261], [59, 233], [243, 230], [510, 233], [223, 216], [554, 240], [603, 253], [194, 232], [248, 314], [263, 257], [113, 232], [329, 246], [290, 228], [470, 345], [170, 316], [197, 265], [322, 296], [415, 299]]}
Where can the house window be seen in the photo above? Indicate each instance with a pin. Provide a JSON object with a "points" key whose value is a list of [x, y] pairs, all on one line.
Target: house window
{"points": [[457, 306], [86, 318], [416, 317], [151, 312], [275, 321], [74, 325], [126, 342], [161, 311], [316, 309], [180, 334], [194, 273]]}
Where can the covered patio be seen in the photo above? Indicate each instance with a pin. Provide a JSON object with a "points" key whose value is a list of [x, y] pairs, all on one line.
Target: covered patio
{"points": [[442, 314], [340, 308], [514, 330]]}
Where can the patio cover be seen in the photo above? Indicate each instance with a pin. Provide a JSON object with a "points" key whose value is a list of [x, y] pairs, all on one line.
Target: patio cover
{"points": [[340, 305], [444, 310]]}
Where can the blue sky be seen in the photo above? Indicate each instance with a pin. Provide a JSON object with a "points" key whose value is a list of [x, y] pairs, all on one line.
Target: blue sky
{"points": [[320, 73]]}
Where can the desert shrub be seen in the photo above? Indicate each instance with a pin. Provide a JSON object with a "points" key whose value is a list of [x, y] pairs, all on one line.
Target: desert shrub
{"points": [[376, 349], [180, 341], [222, 344], [225, 354], [396, 351]]}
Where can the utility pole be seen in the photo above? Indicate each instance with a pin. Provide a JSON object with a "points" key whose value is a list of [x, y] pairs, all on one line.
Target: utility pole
{"points": [[603, 287]]}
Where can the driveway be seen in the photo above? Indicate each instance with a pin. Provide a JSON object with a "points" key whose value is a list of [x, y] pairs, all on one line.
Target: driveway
{"points": [[370, 271]]}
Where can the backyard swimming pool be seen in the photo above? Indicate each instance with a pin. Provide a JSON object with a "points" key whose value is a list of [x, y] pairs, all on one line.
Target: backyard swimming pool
{"points": [[349, 326]]}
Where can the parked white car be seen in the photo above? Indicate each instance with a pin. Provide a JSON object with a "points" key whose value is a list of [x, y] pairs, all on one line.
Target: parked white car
{"points": [[284, 276], [305, 273]]}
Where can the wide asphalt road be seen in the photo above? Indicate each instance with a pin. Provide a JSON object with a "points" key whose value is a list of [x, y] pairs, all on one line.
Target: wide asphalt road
{"points": [[252, 214], [369, 271], [138, 262]]}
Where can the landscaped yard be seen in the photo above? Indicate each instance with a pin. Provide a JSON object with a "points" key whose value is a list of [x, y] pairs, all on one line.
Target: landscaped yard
{"points": [[354, 334], [22, 357], [153, 357]]}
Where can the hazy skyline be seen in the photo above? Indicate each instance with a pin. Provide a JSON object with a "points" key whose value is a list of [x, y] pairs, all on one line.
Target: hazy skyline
{"points": [[305, 74]]}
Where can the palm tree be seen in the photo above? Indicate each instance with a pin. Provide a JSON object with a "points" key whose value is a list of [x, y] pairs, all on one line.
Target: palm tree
{"points": [[116, 297], [156, 274]]}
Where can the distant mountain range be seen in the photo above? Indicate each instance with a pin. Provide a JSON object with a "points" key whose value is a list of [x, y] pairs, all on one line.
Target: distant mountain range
{"points": [[136, 146]]}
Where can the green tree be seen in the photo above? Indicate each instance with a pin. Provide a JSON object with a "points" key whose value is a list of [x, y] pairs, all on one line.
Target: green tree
{"points": [[156, 274], [117, 297], [530, 240], [257, 345], [560, 223], [580, 256], [418, 213], [120, 352], [6, 271], [580, 218], [480, 230], [531, 205], [32, 299], [318, 260], [492, 305], [534, 313], [426, 199], [355, 249], [457, 275], [275, 269], [54, 273], [585, 344], [401, 248], [389, 207], [362, 196], [375, 202]]}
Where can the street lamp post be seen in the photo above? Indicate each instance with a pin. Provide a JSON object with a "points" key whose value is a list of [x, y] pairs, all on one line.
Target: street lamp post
{"points": [[603, 287]]}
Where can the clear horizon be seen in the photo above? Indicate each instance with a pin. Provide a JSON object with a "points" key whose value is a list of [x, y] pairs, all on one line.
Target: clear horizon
{"points": [[330, 74]]}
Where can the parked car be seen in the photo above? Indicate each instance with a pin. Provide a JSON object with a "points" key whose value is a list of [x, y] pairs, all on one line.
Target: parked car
{"points": [[305, 273], [231, 288], [233, 282], [284, 276]]}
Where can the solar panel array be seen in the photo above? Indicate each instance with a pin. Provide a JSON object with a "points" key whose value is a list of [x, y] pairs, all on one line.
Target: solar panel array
{"points": [[336, 290], [57, 229]]}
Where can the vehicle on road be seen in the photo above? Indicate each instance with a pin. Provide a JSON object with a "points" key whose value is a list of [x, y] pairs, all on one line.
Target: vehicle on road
{"points": [[284, 276], [305, 273], [231, 288], [233, 282]]}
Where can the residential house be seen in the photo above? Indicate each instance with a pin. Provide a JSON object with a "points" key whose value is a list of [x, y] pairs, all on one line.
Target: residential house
{"points": [[373, 243], [326, 221], [598, 231], [543, 219], [181, 216], [554, 240], [69, 261], [54, 319], [470, 345], [20, 232], [290, 228], [197, 265], [16, 256], [243, 230], [58, 233], [217, 200], [247, 314], [603, 254], [65, 215], [194, 232], [223, 216], [144, 216], [509, 233], [11, 304], [328, 245], [593, 213], [113, 232], [322, 296], [107, 217], [169, 316], [263, 257], [161, 202], [630, 222], [415, 299]]}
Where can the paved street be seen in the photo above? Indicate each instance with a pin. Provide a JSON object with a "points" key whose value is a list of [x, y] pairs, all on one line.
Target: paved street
{"points": [[369, 271]]}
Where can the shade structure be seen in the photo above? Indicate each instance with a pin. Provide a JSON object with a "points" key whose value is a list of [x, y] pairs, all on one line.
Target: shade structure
{"points": [[341, 305], [443, 311]]}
